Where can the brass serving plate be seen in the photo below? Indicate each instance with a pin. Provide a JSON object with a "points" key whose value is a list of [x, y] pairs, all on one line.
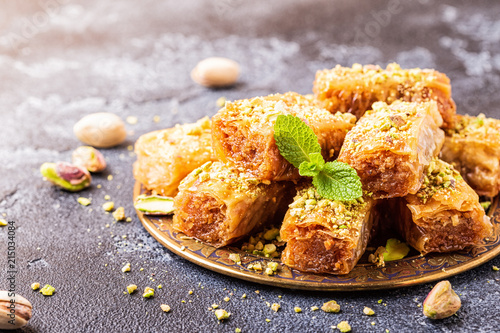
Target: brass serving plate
{"points": [[401, 273]]}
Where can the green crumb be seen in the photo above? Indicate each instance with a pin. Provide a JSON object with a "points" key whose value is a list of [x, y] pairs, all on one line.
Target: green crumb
{"points": [[108, 206], [395, 250], [159, 286], [119, 214], [331, 307], [148, 292], [271, 234], [48, 290], [314, 308], [235, 257], [273, 265], [486, 205], [221, 314], [131, 288], [244, 296], [368, 311], [379, 301], [297, 309], [268, 320], [344, 327], [221, 101], [84, 201], [126, 268], [269, 249], [495, 268], [35, 286], [275, 307], [237, 330]]}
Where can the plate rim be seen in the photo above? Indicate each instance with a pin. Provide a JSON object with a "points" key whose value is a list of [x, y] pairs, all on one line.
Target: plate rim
{"points": [[281, 282]]}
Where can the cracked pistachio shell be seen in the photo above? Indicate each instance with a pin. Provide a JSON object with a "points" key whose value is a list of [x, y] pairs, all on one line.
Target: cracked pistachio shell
{"points": [[15, 310], [216, 72], [70, 177], [442, 301], [89, 158], [101, 130]]}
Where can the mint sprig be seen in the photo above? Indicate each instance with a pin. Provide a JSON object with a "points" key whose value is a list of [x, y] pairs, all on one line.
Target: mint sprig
{"points": [[299, 145]]}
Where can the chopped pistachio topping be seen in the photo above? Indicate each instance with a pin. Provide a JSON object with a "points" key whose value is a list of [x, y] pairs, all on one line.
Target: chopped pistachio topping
{"points": [[165, 308], [495, 268], [221, 314], [271, 234], [48, 290], [126, 268], [368, 311], [438, 175], [297, 309], [35, 285], [108, 206], [238, 180], [377, 257], [131, 288], [221, 101], [344, 327], [148, 292], [331, 307], [479, 127], [273, 265], [275, 307], [84, 201], [235, 257], [263, 111], [379, 301], [237, 330], [343, 215], [119, 214], [486, 205]]}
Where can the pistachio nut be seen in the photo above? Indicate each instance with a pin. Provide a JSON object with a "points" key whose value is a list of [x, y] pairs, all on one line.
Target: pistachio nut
{"points": [[101, 130], [154, 204], [216, 72], [442, 301], [68, 176], [15, 310], [89, 158]]}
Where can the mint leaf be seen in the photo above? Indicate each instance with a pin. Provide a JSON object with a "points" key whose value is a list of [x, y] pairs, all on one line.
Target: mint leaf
{"points": [[338, 181], [312, 168], [295, 140]]}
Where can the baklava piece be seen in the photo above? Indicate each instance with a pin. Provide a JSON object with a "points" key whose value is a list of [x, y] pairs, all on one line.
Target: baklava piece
{"points": [[390, 146], [355, 89], [325, 236], [243, 133], [219, 205], [445, 214], [165, 157], [473, 148]]}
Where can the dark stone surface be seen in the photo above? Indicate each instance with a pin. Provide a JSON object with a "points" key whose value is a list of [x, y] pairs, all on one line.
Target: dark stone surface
{"points": [[62, 59]]}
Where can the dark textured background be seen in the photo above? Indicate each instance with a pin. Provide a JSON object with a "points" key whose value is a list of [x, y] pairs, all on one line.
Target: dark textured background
{"points": [[62, 59]]}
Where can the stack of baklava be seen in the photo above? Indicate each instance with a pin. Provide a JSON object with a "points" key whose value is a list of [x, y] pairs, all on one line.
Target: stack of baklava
{"points": [[397, 128]]}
